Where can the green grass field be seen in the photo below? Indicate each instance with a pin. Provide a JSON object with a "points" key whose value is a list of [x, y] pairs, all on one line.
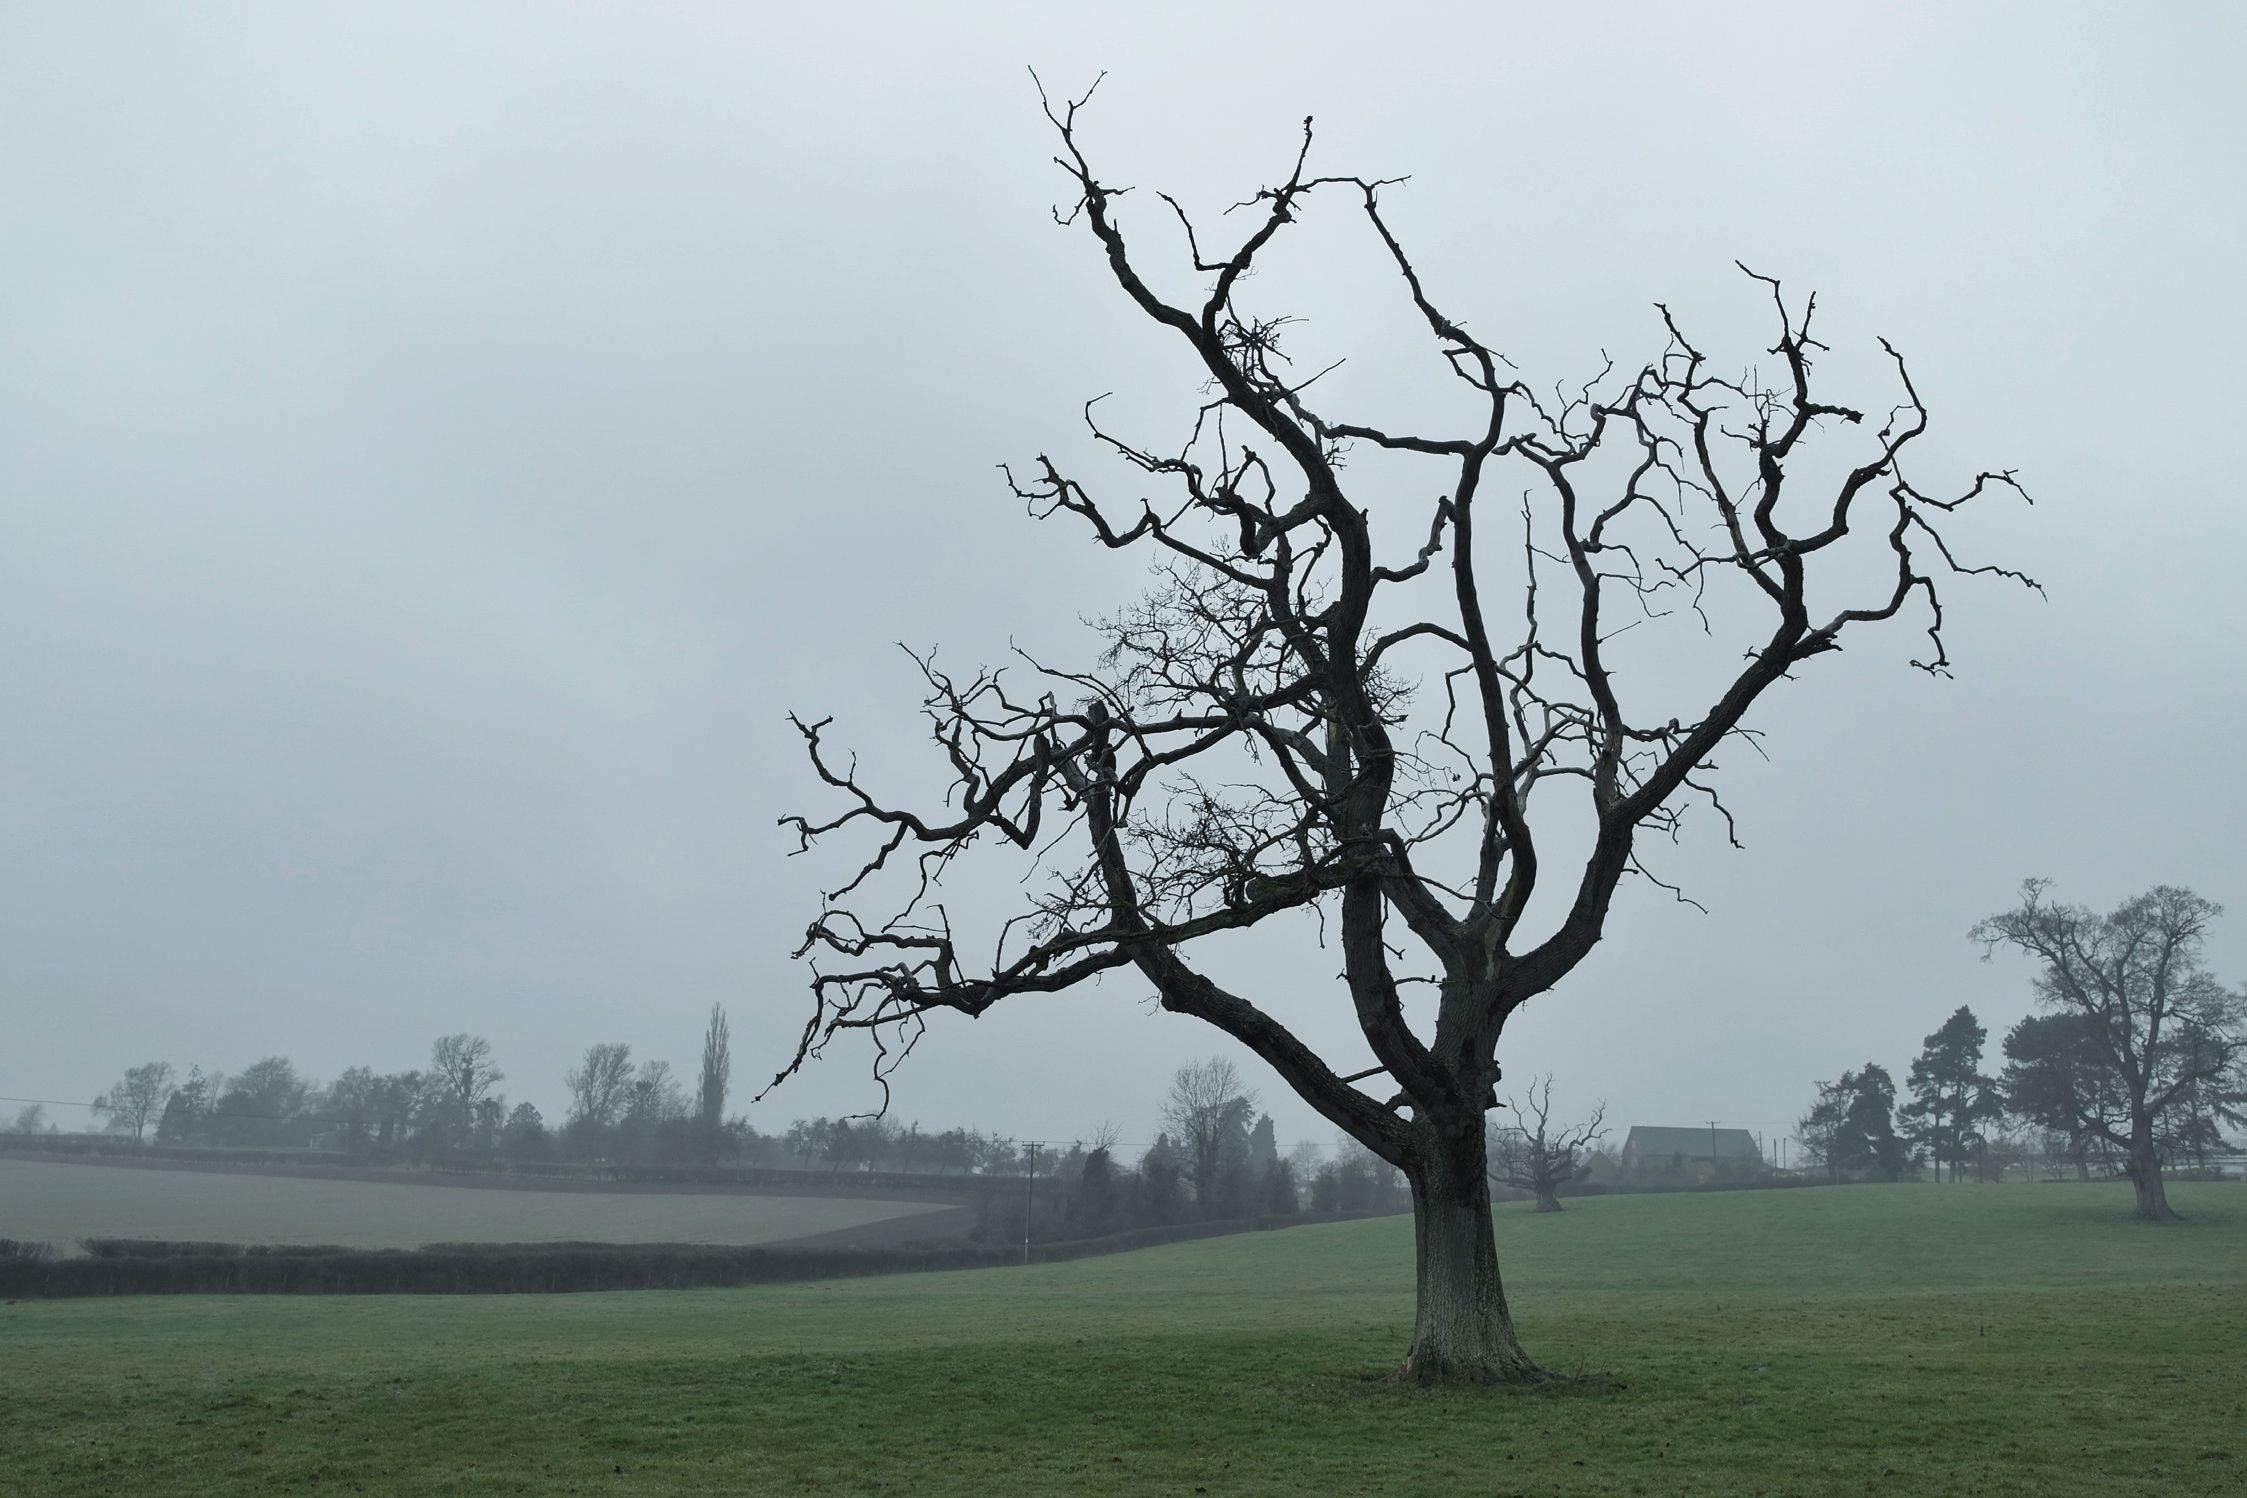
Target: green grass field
{"points": [[1910, 1340], [59, 1202]]}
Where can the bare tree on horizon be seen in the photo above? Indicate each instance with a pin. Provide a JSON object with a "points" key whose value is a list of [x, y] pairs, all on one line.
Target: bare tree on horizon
{"points": [[1536, 1155]]}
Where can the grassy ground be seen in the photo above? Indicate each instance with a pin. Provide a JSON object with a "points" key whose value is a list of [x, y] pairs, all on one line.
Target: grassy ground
{"points": [[1911, 1340], [47, 1201]]}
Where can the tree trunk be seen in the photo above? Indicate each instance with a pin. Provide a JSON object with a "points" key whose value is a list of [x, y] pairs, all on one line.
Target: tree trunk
{"points": [[1461, 1330], [1547, 1199], [2145, 1175]]}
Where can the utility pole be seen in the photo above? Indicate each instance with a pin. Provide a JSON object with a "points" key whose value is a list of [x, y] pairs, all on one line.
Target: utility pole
{"points": [[1029, 1200], [1712, 1149]]}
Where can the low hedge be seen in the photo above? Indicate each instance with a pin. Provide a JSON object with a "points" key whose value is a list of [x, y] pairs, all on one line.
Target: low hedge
{"points": [[127, 1266]]}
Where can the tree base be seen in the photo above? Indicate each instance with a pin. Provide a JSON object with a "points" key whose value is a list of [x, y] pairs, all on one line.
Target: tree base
{"points": [[1427, 1371], [1425, 1374]]}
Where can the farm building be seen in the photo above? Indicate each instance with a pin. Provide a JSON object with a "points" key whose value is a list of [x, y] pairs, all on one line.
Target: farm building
{"points": [[1698, 1148]]}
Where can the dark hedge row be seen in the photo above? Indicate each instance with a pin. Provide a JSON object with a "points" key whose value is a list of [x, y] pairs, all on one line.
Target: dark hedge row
{"points": [[115, 1266]]}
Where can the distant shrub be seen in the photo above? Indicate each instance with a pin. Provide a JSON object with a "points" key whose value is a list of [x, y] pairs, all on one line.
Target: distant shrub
{"points": [[20, 1251]]}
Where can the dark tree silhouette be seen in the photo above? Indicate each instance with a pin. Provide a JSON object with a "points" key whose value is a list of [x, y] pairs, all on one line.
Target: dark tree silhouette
{"points": [[1534, 1154], [1252, 747], [2057, 1078], [1951, 1099], [2160, 1026], [1851, 1129]]}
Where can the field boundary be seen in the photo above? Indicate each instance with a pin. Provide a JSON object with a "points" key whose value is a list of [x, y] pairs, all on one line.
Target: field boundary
{"points": [[155, 1267]]}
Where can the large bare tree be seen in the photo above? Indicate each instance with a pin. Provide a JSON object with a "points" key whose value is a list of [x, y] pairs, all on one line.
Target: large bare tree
{"points": [[1337, 703], [2153, 1019]]}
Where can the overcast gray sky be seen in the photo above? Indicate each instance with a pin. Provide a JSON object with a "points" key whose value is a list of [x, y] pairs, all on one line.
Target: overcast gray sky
{"points": [[438, 444]]}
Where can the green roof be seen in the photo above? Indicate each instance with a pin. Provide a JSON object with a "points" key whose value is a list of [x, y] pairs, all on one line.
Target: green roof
{"points": [[1693, 1143]]}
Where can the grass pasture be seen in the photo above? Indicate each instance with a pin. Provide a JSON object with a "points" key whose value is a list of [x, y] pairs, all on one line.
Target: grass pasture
{"points": [[1910, 1340], [59, 1202]]}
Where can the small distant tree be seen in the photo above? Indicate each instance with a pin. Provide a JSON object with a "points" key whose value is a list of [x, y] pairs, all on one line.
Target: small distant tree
{"points": [[806, 1140], [1951, 1098], [911, 1147], [187, 1107], [1160, 1194], [1263, 1145], [995, 1156], [717, 1075], [138, 1099], [656, 1093], [1851, 1129], [1279, 1193], [1535, 1154], [403, 1105], [655, 1124], [30, 1119], [264, 1104], [2160, 1025], [461, 1068], [526, 1137], [1094, 1205], [1356, 1180], [599, 1087], [1270, 1189], [1207, 1105]]}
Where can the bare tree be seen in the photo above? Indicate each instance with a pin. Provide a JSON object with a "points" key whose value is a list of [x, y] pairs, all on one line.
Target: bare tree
{"points": [[1534, 1154], [717, 1073], [1206, 1099], [1335, 705], [465, 1075], [2158, 1023], [600, 1085], [655, 1096], [136, 1099]]}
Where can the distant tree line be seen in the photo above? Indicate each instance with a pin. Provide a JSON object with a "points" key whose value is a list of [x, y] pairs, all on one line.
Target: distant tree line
{"points": [[2135, 1067], [1216, 1157]]}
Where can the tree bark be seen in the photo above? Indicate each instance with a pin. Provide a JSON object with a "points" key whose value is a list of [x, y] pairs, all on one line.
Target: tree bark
{"points": [[1462, 1331], [2145, 1176]]}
